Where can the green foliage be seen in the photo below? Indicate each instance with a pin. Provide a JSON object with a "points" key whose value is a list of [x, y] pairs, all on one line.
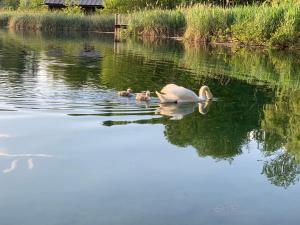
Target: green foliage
{"points": [[133, 5], [259, 26], [276, 25], [32, 4], [123, 6], [72, 8], [288, 32]]}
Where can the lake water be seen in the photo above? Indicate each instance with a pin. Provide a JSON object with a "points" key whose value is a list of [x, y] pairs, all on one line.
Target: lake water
{"points": [[74, 153]]}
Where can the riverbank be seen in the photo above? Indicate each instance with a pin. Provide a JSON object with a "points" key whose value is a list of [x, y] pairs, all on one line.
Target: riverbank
{"points": [[275, 26]]}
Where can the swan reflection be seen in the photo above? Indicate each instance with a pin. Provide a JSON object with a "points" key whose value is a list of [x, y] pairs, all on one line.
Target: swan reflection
{"points": [[178, 111], [17, 157]]}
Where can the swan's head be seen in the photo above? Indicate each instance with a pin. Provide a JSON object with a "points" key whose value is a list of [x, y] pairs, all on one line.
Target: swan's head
{"points": [[129, 90], [205, 93]]}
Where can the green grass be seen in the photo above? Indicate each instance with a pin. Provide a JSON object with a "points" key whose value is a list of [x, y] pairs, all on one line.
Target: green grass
{"points": [[275, 26], [204, 23], [259, 26], [287, 33], [56, 21], [159, 23]]}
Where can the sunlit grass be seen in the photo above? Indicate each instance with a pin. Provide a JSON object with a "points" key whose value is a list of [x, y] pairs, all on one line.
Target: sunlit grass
{"points": [[157, 22], [56, 21]]}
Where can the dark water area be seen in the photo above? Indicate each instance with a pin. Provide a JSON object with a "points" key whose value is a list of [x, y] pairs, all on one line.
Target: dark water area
{"points": [[73, 152]]}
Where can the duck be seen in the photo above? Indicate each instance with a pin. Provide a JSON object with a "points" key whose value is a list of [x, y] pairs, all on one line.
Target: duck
{"points": [[173, 93], [127, 93], [144, 96]]}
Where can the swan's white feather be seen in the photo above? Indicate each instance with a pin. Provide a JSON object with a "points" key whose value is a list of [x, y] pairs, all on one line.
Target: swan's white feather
{"points": [[175, 93]]}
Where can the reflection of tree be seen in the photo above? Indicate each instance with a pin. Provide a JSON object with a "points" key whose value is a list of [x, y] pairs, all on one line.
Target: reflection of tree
{"points": [[281, 124], [223, 131], [220, 133], [282, 130], [211, 135], [282, 171], [243, 106]]}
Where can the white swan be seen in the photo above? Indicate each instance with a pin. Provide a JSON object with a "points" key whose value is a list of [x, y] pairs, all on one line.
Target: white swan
{"points": [[177, 94]]}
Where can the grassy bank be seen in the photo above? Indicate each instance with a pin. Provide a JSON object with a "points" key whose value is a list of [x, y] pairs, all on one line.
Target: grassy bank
{"points": [[56, 21], [276, 26], [162, 23]]}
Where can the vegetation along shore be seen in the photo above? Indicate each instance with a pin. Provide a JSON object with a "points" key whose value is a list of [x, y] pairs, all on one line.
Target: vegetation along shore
{"points": [[272, 23]]}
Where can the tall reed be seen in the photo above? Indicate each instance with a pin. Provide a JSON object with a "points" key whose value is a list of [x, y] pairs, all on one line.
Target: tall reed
{"points": [[56, 21], [163, 23]]}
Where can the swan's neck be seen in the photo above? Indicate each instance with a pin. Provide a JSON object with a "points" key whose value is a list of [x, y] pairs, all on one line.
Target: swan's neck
{"points": [[205, 93]]}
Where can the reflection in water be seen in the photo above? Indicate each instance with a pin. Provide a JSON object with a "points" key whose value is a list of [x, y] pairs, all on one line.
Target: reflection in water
{"points": [[12, 167], [222, 132], [283, 170], [258, 92], [89, 51], [17, 157], [59, 95], [4, 136], [178, 111]]}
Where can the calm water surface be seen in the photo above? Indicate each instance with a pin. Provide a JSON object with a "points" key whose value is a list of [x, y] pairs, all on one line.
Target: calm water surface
{"points": [[74, 153]]}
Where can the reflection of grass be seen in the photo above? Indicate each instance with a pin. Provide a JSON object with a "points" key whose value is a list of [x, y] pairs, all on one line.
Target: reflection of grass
{"points": [[274, 68], [71, 43]]}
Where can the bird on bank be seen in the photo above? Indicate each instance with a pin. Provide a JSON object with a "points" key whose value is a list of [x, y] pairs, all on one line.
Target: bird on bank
{"points": [[127, 93], [144, 96], [173, 93]]}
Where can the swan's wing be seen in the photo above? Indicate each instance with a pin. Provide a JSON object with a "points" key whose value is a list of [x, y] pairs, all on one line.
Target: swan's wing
{"points": [[164, 98], [178, 94], [169, 88], [185, 95]]}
